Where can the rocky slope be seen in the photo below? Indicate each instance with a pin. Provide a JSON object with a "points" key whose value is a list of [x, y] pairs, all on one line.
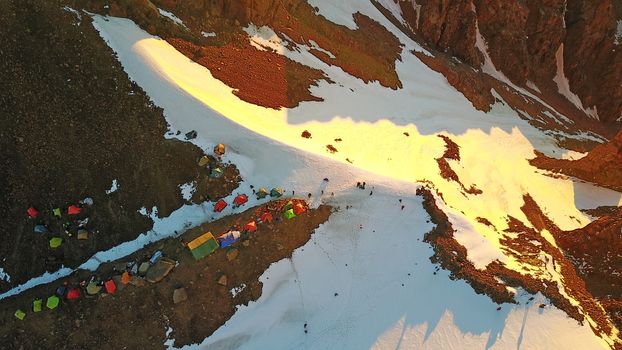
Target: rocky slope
{"points": [[527, 39], [602, 165]]}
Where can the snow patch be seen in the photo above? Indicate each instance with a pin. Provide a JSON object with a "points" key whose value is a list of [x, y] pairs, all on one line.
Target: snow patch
{"points": [[314, 45], [33, 282], [208, 34], [113, 188], [187, 190], [563, 85], [618, 34], [169, 342], [4, 275], [533, 86], [75, 12], [236, 290], [264, 38], [172, 17]]}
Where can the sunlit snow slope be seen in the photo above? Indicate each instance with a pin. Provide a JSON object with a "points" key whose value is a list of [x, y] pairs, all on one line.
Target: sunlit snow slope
{"points": [[365, 280]]}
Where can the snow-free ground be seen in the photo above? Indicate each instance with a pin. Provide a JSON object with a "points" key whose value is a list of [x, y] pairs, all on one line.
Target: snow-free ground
{"points": [[364, 280]]}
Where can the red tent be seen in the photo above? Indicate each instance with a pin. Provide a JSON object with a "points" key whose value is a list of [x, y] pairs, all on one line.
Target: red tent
{"points": [[73, 293], [110, 287], [250, 227], [32, 212], [240, 199], [299, 208], [266, 217], [73, 210], [220, 205]]}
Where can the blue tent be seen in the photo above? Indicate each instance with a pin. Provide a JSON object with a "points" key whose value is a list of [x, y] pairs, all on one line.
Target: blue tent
{"points": [[227, 239], [41, 229]]}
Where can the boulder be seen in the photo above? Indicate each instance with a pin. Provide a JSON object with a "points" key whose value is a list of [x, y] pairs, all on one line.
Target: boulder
{"points": [[159, 270], [179, 295], [223, 280], [232, 254]]}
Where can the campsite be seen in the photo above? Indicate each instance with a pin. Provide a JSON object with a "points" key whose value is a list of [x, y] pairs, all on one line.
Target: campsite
{"points": [[84, 321]]}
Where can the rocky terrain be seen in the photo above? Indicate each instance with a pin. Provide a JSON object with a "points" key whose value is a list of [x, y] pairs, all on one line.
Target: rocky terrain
{"points": [[72, 123], [525, 40], [602, 165]]}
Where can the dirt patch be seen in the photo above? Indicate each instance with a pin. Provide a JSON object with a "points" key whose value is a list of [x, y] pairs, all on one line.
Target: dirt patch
{"points": [[263, 78], [136, 317], [74, 123]]}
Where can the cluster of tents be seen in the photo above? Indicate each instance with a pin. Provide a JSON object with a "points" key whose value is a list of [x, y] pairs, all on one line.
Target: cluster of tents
{"points": [[152, 270], [206, 244], [69, 218], [241, 199]]}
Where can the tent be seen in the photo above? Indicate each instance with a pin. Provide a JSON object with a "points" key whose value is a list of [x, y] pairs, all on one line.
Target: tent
{"points": [[227, 239], [73, 210], [203, 245], [32, 212], [56, 212], [216, 173], [41, 229], [20, 314], [37, 305], [52, 302], [299, 208], [262, 193], [55, 242], [266, 217], [289, 205], [290, 214], [276, 192], [125, 277], [60, 291], [250, 227], [83, 234], [204, 161], [110, 286], [73, 293], [219, 149], [92, 288], [220, 205], [240, 199]]}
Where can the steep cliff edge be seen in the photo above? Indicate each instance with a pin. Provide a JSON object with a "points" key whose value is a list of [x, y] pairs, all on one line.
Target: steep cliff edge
{"points": [[566, 49]]}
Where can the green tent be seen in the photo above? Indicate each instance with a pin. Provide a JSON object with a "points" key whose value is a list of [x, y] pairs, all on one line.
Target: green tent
{"points": [[262, 193], [20, 314], [52, 302], [55, 242], [57, 212], [289, 205], [290, 214], [37, 305], [203, 246], [276, 192], [92, 288]]}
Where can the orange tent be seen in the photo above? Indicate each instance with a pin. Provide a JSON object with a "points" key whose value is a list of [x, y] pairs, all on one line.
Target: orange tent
{"points": [[250, 227], [299, 208]]}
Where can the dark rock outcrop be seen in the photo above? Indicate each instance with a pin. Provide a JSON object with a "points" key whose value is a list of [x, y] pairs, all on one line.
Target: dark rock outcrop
{"points": [[523, 38]]}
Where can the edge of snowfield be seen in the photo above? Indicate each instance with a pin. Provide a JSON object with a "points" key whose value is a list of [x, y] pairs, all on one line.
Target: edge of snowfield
{"points": [[372, 308]]}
